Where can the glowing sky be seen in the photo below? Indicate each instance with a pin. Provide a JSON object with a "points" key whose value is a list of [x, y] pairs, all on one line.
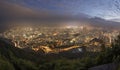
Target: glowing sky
{"points": [[107, 9]]}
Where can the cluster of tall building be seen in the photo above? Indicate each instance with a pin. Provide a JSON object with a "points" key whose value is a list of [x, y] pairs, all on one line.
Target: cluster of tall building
{"points": [[59, 37]]}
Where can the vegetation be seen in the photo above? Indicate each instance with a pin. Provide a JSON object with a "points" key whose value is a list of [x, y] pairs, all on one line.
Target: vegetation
{"points": [[12, 58]]}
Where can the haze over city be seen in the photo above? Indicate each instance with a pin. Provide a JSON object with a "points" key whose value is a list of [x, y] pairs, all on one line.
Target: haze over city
{"points": [[59, 34]]}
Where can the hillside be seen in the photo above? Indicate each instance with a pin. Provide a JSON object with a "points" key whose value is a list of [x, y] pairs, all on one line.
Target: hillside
{"points": [[13, 58]]}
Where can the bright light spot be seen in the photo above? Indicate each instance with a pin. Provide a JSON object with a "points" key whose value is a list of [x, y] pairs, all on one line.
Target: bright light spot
{"points": [[70, 26], [79, 49]]}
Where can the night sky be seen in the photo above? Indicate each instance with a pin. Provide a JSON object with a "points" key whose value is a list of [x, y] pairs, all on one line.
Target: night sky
{"points": [[106, 9]]}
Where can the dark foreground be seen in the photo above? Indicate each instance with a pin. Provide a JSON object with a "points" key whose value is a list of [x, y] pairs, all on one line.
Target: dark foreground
{"points": [[12, 58]]}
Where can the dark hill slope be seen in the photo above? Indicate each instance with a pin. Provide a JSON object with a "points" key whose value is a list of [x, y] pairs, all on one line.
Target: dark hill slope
{"points": [[12, 58]]}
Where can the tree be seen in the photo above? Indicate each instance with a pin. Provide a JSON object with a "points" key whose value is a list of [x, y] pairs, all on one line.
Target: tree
{"points": [[116, 49], [5, 65]]}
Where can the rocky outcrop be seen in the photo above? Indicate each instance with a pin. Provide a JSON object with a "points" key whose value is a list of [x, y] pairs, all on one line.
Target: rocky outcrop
{"points": [[110, 66]]}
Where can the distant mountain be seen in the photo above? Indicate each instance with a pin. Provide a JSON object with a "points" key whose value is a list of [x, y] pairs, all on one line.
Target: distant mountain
{"points": [[98, 22], [116, 20], [15, 13]]}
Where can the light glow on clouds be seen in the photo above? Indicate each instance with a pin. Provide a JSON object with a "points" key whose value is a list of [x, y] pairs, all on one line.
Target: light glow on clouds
{"points": [[107, 9]]}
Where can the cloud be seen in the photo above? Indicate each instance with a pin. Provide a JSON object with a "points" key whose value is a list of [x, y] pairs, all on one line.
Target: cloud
{"points": [[14, 10]]}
